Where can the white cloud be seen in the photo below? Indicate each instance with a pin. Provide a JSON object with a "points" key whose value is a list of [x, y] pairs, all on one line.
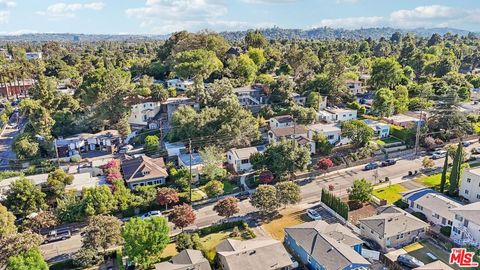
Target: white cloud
{"points": [[422, 16], [7, 4], [351, 22], [4, 16], [68, 10], [167, 16]]}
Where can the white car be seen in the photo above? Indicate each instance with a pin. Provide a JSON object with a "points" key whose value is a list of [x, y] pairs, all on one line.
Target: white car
{"points": [[439, 154], [313, 214], [151, 214]]}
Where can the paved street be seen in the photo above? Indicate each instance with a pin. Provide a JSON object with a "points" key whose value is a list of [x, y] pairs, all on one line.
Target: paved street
{"points": [[342, 180], [6, 138]]}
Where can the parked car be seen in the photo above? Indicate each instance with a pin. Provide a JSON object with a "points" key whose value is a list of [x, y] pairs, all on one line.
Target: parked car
{"points": [[313, 214], [371, 166], [57, 235], [372, 245], [439, 154], [388, 162], [243, 195], [409, 261], [150, 214], [476, 150], [125, 149], [466, 143]]}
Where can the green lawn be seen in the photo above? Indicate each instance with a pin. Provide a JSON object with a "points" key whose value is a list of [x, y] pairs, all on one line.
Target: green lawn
{"points": [[229, 187], [196, 196], [390, 193], [432, 181], [211, 241]]}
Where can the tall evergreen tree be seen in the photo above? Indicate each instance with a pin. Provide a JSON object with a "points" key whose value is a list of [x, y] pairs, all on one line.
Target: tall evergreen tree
{"points": [[455, 174], [444, 175]]}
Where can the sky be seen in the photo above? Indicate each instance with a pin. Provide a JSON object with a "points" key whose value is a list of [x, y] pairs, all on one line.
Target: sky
{"points": [[167, 16]]}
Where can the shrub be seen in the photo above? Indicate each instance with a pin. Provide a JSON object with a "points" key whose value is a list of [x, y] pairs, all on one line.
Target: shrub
{"points": [[222, 227], [446, 230], [75, 158], [248, 233]]}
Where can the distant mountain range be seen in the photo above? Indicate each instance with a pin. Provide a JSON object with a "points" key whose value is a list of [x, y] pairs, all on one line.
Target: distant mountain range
{"points": [[270, 33]]}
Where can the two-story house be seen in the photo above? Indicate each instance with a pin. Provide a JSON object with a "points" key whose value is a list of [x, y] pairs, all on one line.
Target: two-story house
{"points": [[392, 227], [470, 185], [466, 225], [355, 87], [281, 121], [295, 132], [239, 159], [251, 96], [320, 245], [332, 132], [193, 161], [333, 115], [435, 206], [143, 171], [254, 254], [103, 141], [182, 85], [142, 110], [381, 130]]}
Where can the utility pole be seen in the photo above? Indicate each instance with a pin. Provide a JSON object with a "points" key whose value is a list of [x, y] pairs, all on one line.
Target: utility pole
{"points": [[56, 152], [417, 135], [190, 154]]}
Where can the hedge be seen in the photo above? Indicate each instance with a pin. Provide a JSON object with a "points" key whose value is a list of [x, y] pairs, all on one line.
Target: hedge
{"points": [[406, 135], [420, 215], [335, 204], [446, 230], [222, 227]]}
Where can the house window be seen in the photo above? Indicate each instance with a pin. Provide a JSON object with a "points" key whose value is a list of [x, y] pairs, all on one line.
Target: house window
{"points": [[331, 137], [245, 161], [450, 223], [465, 223], [229, 157], [466, 191], [469, 180], [478, 196], [419, 207], [435, 215], [459, 218], [455, 230]]}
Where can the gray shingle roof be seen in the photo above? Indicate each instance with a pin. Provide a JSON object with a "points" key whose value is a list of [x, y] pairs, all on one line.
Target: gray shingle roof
{"points": [[331, 245], [143, 168], [254, 254], [188, 259]]}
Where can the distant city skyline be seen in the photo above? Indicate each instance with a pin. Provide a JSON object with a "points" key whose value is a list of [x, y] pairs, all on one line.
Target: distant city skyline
{"points": [[167, 16]]}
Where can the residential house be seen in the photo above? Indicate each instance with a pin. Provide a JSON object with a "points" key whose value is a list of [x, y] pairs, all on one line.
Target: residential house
{"points": [[236, 51], [194, 161], [15, 88], [188, 259], [251, 96], [281, 121], [436, 265], [333, 115], [470, 185], [332, 132], [299, 99], [435, 206], [320, 245], [143, 110], [404, 120], [182, 85], [105, 141], [33, 55], [172, 104], [239, 159], [175, 149], [466, 225], [143, 171], [80, 181], [297, 132], [381, 130], [254, 254], [392, 227], [354, 86], [4, 53]]}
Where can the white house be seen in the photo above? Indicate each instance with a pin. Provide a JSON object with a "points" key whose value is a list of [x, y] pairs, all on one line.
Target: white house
{"points": [[174, 149], [33, 55], [354, 86], [239, 159], [333, 115], [381, 130], [281, 121], [297, 132], [196, 161], [301, 100], [179, 84], [143, 110], [470, 185], [435, 206], [466, 225], [250, 96], [333, 132]]}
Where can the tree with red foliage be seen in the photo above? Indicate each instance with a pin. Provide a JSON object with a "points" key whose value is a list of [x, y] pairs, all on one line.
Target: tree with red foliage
{"points": [[112, 171], [166, 196], [182, 215], [324, 164], [227, 207], [266, 177]]}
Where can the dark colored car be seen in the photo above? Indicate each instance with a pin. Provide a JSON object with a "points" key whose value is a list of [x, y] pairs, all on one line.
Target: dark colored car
{"points": [[372, 245], [409, 261], [371, 166], [243, 195], [466, 144], [57, 235], [388, 162]]}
